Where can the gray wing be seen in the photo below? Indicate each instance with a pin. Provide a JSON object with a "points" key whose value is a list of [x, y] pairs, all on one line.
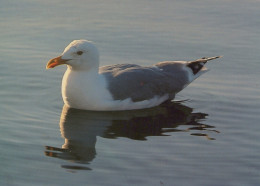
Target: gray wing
{"points": [[143, 83]]}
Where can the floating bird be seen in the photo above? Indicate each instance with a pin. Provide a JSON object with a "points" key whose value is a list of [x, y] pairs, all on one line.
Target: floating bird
{"points": [[87, 86]]}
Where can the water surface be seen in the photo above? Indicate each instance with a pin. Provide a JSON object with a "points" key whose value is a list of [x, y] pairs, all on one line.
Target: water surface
{"points": [[211, 139]]}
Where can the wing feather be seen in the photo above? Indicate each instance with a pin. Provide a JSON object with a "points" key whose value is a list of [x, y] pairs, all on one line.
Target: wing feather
{"points": [[142, 83]]}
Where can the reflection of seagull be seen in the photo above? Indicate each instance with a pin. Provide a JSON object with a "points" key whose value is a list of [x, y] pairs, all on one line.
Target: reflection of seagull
{"points": [[122, 86], [80, 128]]}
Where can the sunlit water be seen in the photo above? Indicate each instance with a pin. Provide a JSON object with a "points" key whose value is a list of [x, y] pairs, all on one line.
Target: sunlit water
{"points": [[210, 139]]}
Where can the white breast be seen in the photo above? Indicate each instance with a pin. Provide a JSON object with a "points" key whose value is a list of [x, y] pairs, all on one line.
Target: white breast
{"points": [[85, 90]]}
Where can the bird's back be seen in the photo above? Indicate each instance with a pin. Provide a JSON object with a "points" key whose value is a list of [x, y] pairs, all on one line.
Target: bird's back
{"points": [[143, 83]]}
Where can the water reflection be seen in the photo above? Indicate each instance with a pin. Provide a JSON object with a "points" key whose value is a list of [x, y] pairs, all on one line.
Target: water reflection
{"points": [[80, 128]]}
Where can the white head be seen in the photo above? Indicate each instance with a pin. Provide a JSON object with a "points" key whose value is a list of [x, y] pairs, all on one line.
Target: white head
{"points": [[78, 55]]}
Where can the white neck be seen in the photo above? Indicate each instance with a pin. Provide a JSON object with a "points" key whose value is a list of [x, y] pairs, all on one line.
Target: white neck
{"points": [[84, 68]]}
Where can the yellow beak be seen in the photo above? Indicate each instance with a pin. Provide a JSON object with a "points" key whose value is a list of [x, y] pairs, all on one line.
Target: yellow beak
{"points": [[55, 62]]}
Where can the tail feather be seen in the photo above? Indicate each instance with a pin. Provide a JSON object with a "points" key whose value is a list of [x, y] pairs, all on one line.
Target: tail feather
{"points": [[198, 64], [205, 59]]}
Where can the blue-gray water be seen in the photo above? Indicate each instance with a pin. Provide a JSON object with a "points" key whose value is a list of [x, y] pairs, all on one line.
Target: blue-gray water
{"points": [[211, 139]]}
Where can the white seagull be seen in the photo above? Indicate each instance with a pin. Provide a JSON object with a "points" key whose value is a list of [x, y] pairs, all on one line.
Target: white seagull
{"points": [[87, 86]]}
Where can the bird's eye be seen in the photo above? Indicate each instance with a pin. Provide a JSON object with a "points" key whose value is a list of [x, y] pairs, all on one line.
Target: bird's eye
{"points": [[79, 52]]}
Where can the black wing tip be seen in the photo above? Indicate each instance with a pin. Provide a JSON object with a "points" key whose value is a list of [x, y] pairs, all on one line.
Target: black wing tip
{"points": [[195, 66], [198, 64]]}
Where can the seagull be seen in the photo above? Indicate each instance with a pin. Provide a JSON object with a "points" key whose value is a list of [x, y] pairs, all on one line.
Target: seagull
{"points": [[87, 86]]}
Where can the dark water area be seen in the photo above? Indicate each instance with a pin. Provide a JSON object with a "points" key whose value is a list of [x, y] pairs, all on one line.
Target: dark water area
{"points": [[80, 128], [208, 136]]}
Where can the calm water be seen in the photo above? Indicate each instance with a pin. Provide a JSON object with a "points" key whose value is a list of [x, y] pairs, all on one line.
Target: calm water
{"points": [[211, 139]]}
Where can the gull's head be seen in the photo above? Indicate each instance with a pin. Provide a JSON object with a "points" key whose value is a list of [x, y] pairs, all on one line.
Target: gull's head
{"points": [[78, 55]]}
